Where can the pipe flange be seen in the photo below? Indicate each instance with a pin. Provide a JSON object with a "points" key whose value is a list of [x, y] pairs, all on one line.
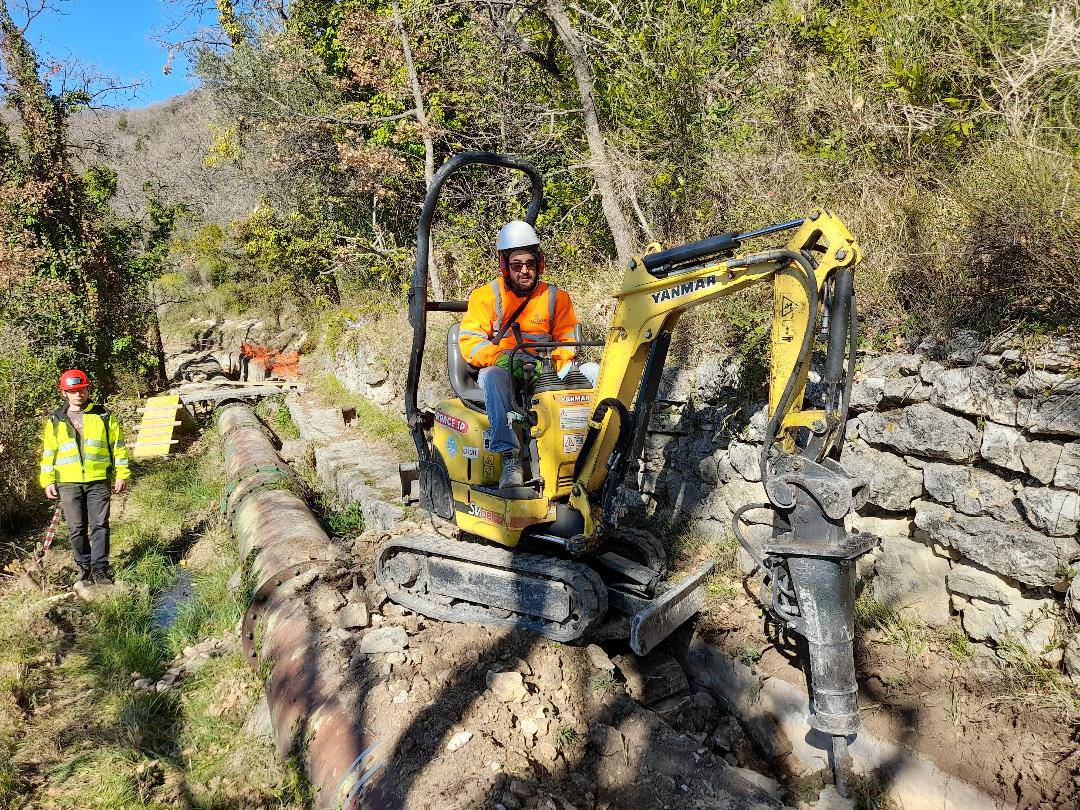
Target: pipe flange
{"points": [[261, 596], [274, 471], [256, 484]]}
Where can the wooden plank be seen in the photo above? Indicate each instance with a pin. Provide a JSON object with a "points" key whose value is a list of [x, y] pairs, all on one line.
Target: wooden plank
{"points": [[238, 393]]}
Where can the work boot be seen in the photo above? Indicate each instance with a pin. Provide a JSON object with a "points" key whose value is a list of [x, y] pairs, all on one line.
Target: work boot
{"points": [[511, 471], [102, 576], [85, 575]]}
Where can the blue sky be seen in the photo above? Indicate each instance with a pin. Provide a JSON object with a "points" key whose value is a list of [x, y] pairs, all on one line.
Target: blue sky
{"points": [[114, 37]]}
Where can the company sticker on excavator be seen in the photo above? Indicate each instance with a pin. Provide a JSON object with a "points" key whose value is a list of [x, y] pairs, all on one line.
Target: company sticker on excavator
{"points": [[576, 399], [686, 288], [573, 442], [574, 418], [480, 513], [451, 446], [453, 422], [470, 452]]}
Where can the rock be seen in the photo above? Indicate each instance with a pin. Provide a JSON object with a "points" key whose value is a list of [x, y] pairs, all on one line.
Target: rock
{"points": [[771, 740], [975, 391], [973, 492], [1067, 473], [977, 583], [745, 459], [354, 616], [964, 347], [730, 738], [910, 578], [830, 799], [770, 786], [881, 526], [599, 658], [1036, 382], [458, 741], [508, 687], [1008, 549], [235, 580], [891, 366], [1072, 596], [921, 430], [867, 393], [401, 697], [1059, 413], [384, 640], [893, 485], [1054, 511], [929, 371], [95, 593], [1028, 622], [1040, 459], [1072, 658], [906, 391], [652, 678], [1001, 446]]}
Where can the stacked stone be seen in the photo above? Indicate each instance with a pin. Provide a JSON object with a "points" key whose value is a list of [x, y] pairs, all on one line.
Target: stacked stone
{"points": [[971, 451]]}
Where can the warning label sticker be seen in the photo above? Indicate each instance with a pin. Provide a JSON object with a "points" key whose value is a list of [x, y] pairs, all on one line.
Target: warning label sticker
{"points": [[572, 442], [573, 418], [487, 441]]}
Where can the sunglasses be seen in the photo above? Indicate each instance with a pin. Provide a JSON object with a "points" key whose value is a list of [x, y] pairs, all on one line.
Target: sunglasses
{"points": [[528, 264]]}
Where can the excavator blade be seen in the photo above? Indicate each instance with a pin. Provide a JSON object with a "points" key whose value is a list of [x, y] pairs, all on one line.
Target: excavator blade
{"points": [[665, 613]]}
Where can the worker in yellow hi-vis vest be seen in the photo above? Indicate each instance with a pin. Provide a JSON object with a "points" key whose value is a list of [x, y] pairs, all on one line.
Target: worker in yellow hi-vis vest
{"points": [[82, 450]]}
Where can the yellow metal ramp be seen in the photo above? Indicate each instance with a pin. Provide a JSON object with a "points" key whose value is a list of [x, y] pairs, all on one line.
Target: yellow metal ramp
{"points": [[154, 435]]}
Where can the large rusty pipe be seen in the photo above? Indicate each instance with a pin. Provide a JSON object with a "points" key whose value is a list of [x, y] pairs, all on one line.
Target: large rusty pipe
{"points": [[315, 710]]}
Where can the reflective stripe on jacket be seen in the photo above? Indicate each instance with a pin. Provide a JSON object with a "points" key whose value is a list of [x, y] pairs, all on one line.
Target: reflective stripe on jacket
{"points": [[549, 315], [65, 459]]}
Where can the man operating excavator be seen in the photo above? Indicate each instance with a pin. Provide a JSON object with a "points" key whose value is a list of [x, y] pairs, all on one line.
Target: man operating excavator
{"points": [[542, 313]]}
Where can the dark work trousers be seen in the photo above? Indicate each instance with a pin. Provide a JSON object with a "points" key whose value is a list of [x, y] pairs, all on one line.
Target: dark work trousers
{"points": [[86, 512]]}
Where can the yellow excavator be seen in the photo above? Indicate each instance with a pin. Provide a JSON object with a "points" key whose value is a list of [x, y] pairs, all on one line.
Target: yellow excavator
{"points": [[553, 555]]}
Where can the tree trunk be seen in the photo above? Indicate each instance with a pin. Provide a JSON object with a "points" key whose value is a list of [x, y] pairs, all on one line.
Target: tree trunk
{"points": [[153, 337], [425, 133], [599, 160]]}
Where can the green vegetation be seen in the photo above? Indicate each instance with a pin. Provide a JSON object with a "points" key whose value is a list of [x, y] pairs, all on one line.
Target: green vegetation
{"points": [[565, 737], [371, 420], [78, 730], [911, 635]]}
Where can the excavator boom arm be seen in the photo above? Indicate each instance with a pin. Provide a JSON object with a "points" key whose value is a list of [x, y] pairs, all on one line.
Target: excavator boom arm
{"points": [[650, 303]]}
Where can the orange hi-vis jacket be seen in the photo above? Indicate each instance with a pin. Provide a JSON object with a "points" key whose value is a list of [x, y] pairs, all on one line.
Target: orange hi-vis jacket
{"points": [[549, 315]]}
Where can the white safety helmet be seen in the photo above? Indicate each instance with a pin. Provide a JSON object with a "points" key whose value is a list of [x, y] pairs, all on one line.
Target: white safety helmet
{"points": [[517, 234]]}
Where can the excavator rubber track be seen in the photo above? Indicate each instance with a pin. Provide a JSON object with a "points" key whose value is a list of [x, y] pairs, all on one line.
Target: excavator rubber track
{"points": [[461, 581]]}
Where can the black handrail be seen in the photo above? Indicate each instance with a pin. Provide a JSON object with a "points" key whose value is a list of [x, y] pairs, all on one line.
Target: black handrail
{"points": [[419, 306]]}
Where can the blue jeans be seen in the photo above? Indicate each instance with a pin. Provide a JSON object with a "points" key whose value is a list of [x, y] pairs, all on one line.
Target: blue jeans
{"points": [[495, 383]]}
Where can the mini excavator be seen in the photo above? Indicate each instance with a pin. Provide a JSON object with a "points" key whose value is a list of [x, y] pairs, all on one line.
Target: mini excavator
{"points": [[552, 555]]}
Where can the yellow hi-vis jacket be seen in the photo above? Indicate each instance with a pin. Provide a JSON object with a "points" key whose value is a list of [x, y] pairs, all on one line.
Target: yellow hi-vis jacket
{"points": [[68, 459], [549, 315]]}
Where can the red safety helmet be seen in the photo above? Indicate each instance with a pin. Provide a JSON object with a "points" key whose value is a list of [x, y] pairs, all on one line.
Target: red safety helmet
{"points": [[74, 380]]}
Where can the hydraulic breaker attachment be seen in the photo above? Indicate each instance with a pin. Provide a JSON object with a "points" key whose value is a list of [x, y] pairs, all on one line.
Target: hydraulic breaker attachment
{"points": [[809, 585]]}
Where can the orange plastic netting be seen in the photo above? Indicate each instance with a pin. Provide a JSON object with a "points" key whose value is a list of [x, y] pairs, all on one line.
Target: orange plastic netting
{"points": [[285, 365]]}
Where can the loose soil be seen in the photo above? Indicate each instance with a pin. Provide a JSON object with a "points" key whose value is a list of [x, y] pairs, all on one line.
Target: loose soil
{"points": [[968, 716]]}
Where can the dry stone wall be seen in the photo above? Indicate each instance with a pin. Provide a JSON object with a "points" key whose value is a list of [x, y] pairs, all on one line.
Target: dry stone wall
{"points": [[971, 452]]}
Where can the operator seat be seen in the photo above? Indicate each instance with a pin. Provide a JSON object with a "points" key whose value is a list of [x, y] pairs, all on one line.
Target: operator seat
{"points": [[462, 375]]}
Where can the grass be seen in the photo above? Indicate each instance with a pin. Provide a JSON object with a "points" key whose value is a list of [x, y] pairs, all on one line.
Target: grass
{"points": [[74, 732], [749, 654], [344, 522], [565, 737], [604, 682], [274, 410], [371, 420], [912, 636]]}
